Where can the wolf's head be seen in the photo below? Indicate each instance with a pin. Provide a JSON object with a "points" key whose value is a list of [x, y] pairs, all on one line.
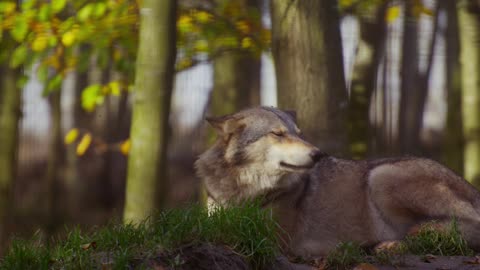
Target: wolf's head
{"points": [[255, 148]]}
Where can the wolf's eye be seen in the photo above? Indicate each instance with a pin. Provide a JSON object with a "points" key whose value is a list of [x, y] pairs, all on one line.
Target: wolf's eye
{"points": [[277, 133]]}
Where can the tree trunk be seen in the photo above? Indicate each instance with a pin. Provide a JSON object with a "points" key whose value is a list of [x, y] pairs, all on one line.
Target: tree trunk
{"points": [[414, 82], [409, 115], [55, 160], [10, 100], [236, 83], [236, 78], [307, 49], [103, 125], [153, 87], [370, 50], [73, 173], [470, 63], [453, 142]]}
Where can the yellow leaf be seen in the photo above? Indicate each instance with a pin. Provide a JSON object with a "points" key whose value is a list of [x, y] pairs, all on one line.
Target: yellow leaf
{"points": [[84, 144], [8, 7], [243, 27], [125, 147], [345, 3], [52, 41], [201, 45], [184, 23], [68, 38], [203, 16], [427, 11], [247, 43], [39, 43], [393, 13], [71, 136], [117, 54], [114, 88]]}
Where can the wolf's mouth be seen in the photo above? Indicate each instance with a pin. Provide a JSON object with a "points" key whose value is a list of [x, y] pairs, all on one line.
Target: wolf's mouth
{"points": [[296, 167]]}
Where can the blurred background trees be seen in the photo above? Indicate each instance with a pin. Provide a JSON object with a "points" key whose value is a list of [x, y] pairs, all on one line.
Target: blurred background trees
{"points": [[367, 78], [151, 106], [307, 48]]}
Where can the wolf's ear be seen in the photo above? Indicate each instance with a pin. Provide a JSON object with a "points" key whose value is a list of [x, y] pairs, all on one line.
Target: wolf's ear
{"points": [[292, 114], [224, 124]]}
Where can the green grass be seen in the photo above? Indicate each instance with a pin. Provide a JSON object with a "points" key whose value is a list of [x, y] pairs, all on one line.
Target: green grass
{"points": [[247, 230], [428, 240], [345, 256]]}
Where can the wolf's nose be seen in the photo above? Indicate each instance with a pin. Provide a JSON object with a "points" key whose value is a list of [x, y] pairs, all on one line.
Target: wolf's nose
{"points": [[316, 155]]}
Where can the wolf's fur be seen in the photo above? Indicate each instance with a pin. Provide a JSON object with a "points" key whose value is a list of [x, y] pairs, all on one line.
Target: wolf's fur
{"points": [[320, 204]]}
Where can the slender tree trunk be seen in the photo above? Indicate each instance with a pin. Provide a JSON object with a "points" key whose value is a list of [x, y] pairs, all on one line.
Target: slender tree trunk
{"points": [[122, 132], [114, 173], [10, 100], [469, 26], [414, 83], [370, 50], [55, 160], [153, 87], [409, 116], [75, 186], [236, 82], [307, 49], [104, 127], [453, 143]]}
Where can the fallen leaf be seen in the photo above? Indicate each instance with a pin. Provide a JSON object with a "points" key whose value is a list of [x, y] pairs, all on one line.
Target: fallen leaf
{"points": [[365, 266], [387, 246], [90, 245]]}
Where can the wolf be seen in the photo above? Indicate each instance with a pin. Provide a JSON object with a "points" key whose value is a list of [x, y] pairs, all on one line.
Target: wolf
{"points": [[320, 200]]}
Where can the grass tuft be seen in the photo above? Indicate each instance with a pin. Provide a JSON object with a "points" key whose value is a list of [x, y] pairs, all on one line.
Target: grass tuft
{"points": [[248, 230], [345, 256], [431, 240], [23, 255]]}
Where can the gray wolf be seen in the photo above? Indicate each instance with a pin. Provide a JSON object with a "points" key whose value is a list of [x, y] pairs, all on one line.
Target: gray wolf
{"points": [[320, 200]]}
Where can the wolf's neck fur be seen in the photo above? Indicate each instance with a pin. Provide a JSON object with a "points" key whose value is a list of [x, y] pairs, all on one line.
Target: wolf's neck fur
{"points": [[230, 183]]}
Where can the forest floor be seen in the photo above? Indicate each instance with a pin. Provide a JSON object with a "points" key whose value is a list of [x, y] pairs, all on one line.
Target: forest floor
{"points": [[235, 238], [406, 262], [410, 262]]}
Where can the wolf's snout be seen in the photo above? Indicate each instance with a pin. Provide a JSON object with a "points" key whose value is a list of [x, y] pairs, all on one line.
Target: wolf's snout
{"points": [[316, 155]]}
